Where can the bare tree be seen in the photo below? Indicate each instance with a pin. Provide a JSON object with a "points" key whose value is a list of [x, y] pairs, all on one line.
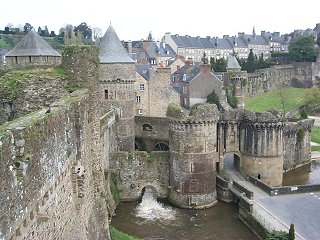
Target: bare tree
{"points": [[96, 33]]}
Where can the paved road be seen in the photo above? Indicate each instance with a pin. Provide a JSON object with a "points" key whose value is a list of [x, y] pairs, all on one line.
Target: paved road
{"points": [[316, 120], [278, 212], [301, 209]]}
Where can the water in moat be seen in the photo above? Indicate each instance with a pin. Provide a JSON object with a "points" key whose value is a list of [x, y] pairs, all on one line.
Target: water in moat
{"points": [[308, 174], [153, 220]]}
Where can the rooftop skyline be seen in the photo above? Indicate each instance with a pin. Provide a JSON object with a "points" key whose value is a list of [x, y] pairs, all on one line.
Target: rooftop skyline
{"points": [[133, 20]]}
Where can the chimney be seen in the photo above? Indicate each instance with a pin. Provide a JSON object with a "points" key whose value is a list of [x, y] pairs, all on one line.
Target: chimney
{"points": [[263, 33], [205, 68], [189, 61], [225, 36], [240, 34]]}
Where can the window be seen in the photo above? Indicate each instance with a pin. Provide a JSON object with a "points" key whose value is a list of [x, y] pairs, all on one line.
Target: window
{"points": [[138, 99], [140, 112], [184, 90], [141, 87], [146, 127], [30, 60], [106, 94]]}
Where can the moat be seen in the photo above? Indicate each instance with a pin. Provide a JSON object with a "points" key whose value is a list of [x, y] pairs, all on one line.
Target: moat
{"points": [[153, 220], [219, 222]]}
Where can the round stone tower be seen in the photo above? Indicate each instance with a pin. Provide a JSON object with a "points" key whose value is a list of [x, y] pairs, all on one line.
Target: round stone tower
{"points": [[193, 156], [261, 144], [117, 76]]}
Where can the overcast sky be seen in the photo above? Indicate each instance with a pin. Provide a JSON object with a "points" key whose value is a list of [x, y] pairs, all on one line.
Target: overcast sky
{"points": [[133, 20]]}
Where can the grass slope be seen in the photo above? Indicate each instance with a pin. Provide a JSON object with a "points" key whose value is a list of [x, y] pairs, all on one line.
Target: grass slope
{"points": [[117, 235], [293, 98], [315, 134]]}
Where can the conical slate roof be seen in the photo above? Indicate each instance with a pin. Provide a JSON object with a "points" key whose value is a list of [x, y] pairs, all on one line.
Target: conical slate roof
{"points": [[111, 49], [33, 45], [232, 63]]}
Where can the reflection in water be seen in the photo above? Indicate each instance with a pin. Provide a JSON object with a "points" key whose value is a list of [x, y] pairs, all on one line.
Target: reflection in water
{"points": [[308, 174], [152, 220]]}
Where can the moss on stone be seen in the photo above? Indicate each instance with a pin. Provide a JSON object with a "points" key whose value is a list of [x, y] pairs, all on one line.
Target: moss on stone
{"points": [[174, 111]]}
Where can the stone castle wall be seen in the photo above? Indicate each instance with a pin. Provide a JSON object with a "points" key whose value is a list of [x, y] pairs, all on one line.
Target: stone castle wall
{"points": [[23, 61], [46, 174], [29, 93], [297, 144]]}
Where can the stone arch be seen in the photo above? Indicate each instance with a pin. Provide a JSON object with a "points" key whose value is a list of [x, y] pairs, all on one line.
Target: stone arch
{"points": [[161, 146], [138, 144], [147, 127], [232, 160], [149, 188]]}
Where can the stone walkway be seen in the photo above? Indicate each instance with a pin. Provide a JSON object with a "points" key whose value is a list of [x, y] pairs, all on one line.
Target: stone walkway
{"points": [[277, 213]]}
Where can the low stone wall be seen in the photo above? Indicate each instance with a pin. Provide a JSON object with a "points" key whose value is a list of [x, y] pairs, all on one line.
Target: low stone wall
{"points": [[248, 193], [295, 189], [257, 228], [260, 184], [223, 192], [274, 191]]}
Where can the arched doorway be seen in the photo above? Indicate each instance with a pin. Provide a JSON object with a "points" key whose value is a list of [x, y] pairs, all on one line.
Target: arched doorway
{"points": [[138, 144], [232, 161]]}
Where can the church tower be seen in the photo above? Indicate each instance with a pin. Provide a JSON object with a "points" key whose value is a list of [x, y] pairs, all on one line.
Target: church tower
{"points": [[117, 76]]}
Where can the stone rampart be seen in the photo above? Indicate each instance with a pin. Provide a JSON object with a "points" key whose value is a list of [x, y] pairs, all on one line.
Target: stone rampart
{"points": [[45, 173], [297, 137]]}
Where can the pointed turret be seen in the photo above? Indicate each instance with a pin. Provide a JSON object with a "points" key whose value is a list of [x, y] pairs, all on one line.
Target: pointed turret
{"points": [[33, 45], [232, 64], [117, 75], [112, 50]]}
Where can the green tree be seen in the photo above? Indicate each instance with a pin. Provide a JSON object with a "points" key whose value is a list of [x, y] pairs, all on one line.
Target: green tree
{"points": [[46, 31], [304, 114], [3, 44], [204, 58], [303, 49], [27, 27], [318, 40], [39, 30], [212, 62], [261, 63], [291, 232], [220, 65], [312, 98], [213, 98], [85, 30], [250, 65], [150, 36]]}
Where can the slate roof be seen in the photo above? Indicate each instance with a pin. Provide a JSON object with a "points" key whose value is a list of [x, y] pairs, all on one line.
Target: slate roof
{"points": [[143, 70], [112, 50], [254, 39], [273, 37], [232, 63], [33, 45], [164, 50]]}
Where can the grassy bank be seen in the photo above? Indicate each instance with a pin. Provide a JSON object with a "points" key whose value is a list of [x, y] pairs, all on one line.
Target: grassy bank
{"points": [[315, 134], [292, 98], [117, 235]]}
